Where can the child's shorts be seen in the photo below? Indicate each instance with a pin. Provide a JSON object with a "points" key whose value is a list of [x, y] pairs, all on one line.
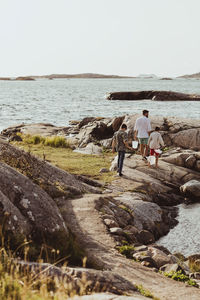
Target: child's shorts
{"points": [[152, 152]]}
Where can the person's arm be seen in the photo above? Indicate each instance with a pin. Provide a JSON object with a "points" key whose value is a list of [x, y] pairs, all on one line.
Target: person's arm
{"points": [[127, 145], [135, 130], [150, 138], [113, 144], [135, 135], [161, 140], [149, 128]]}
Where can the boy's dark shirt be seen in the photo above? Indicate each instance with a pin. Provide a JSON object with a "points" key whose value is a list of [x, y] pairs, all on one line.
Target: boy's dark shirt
{"points": [[120, 137]]}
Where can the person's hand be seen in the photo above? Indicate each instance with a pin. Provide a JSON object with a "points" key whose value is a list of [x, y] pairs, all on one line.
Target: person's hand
{"points": [[113, 150]]}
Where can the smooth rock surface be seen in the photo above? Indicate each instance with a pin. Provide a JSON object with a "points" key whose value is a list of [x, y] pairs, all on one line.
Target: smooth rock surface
{"points": [[90, 149]]}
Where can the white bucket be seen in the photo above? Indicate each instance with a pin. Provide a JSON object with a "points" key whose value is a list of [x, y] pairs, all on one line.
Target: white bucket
{"points": [[151, 159], [134, 144], [158, 151]]}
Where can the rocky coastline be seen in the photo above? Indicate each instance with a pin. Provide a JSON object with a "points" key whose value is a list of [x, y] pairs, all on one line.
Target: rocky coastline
{"points": [[114, 225]]}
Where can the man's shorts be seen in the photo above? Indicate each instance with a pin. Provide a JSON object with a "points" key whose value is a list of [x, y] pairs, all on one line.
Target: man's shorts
{"points": [[143, 141]]}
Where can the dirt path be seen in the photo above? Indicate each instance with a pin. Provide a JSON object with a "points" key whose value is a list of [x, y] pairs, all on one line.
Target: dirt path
{"points": [[84, 220]]}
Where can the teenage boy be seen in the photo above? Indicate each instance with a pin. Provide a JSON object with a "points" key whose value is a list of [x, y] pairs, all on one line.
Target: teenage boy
{"points": [[120, 143]]}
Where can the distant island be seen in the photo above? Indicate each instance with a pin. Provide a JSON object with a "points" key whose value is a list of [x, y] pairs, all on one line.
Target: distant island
{"points": [[95, 75], [82, 75], [63, 76], [195, 75]]}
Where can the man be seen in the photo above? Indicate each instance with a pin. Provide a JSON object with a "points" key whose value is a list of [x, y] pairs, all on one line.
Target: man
{"points": [[120, 143], [142, 131]]}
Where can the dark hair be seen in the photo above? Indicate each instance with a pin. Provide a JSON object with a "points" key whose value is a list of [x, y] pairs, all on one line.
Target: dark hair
{"points": [[145, 111], [124, 126], [157, 128]]}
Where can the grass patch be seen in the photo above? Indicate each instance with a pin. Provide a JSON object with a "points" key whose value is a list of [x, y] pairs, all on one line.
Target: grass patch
{"points": [[145, 292], [126, 250], [56, 141], [75, 163], [179, 276], [52, 141]]}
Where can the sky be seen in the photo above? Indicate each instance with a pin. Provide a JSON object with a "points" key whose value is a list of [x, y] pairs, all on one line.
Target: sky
{"points": [[122, 37]]}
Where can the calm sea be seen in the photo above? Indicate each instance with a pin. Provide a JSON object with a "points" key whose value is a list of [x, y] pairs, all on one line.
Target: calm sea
{"points": [[60, 100]]}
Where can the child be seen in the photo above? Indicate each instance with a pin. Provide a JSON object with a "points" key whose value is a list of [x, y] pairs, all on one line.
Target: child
{"points": [[154, 143]]}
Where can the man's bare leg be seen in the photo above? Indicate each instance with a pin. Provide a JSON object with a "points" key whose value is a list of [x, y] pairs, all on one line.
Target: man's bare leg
{"points": [[146, 150], [142, 149], [156, 161]]}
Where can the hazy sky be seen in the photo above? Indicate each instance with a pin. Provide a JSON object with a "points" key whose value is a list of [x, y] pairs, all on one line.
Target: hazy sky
{"points": [[125, 37]]}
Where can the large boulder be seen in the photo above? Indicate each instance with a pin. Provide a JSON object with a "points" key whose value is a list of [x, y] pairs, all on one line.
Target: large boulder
{"points": [[153, 95], [30, 212], [190, 162], [85, 121], [97, 129], [189, 138], [42, 129], [90, 149], [191, 189], [145, 237], [178, 158], [160, 258], [149, 218]]}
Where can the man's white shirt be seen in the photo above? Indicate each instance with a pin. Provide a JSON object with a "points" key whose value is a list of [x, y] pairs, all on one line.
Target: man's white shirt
{"points": [[142, 126]]}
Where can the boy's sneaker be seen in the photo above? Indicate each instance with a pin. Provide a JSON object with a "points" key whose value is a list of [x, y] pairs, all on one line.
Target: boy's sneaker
{"points": [[144, 158], [120, 174]]}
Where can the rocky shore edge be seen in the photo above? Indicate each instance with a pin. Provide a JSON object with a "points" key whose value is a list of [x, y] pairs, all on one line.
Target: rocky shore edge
{"points": [[101, 221]]}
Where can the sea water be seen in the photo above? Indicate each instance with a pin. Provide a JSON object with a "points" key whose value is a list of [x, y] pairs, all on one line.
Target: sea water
{"points": [[60, 100], [185, 237]]}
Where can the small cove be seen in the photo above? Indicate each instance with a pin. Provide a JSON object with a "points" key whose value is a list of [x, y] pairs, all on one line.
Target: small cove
{"points": [[185, 237]]}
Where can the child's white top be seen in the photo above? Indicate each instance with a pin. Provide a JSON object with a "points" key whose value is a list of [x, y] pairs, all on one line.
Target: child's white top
{"points": [[155, 140]]}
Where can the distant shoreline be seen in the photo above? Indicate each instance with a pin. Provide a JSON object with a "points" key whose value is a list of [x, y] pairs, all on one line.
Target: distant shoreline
{"points": [[66, 76], [98, 76]]}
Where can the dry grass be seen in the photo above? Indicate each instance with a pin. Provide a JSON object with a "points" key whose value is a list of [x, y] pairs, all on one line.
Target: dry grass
{"points": [[21, 284]]}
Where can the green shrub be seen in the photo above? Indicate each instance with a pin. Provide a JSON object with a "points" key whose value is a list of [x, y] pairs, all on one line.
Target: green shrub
{"points": [[165, 149], [51, 141], [56, 141], [145, 292], [179, 276], [126, 250], [33, 139]]}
